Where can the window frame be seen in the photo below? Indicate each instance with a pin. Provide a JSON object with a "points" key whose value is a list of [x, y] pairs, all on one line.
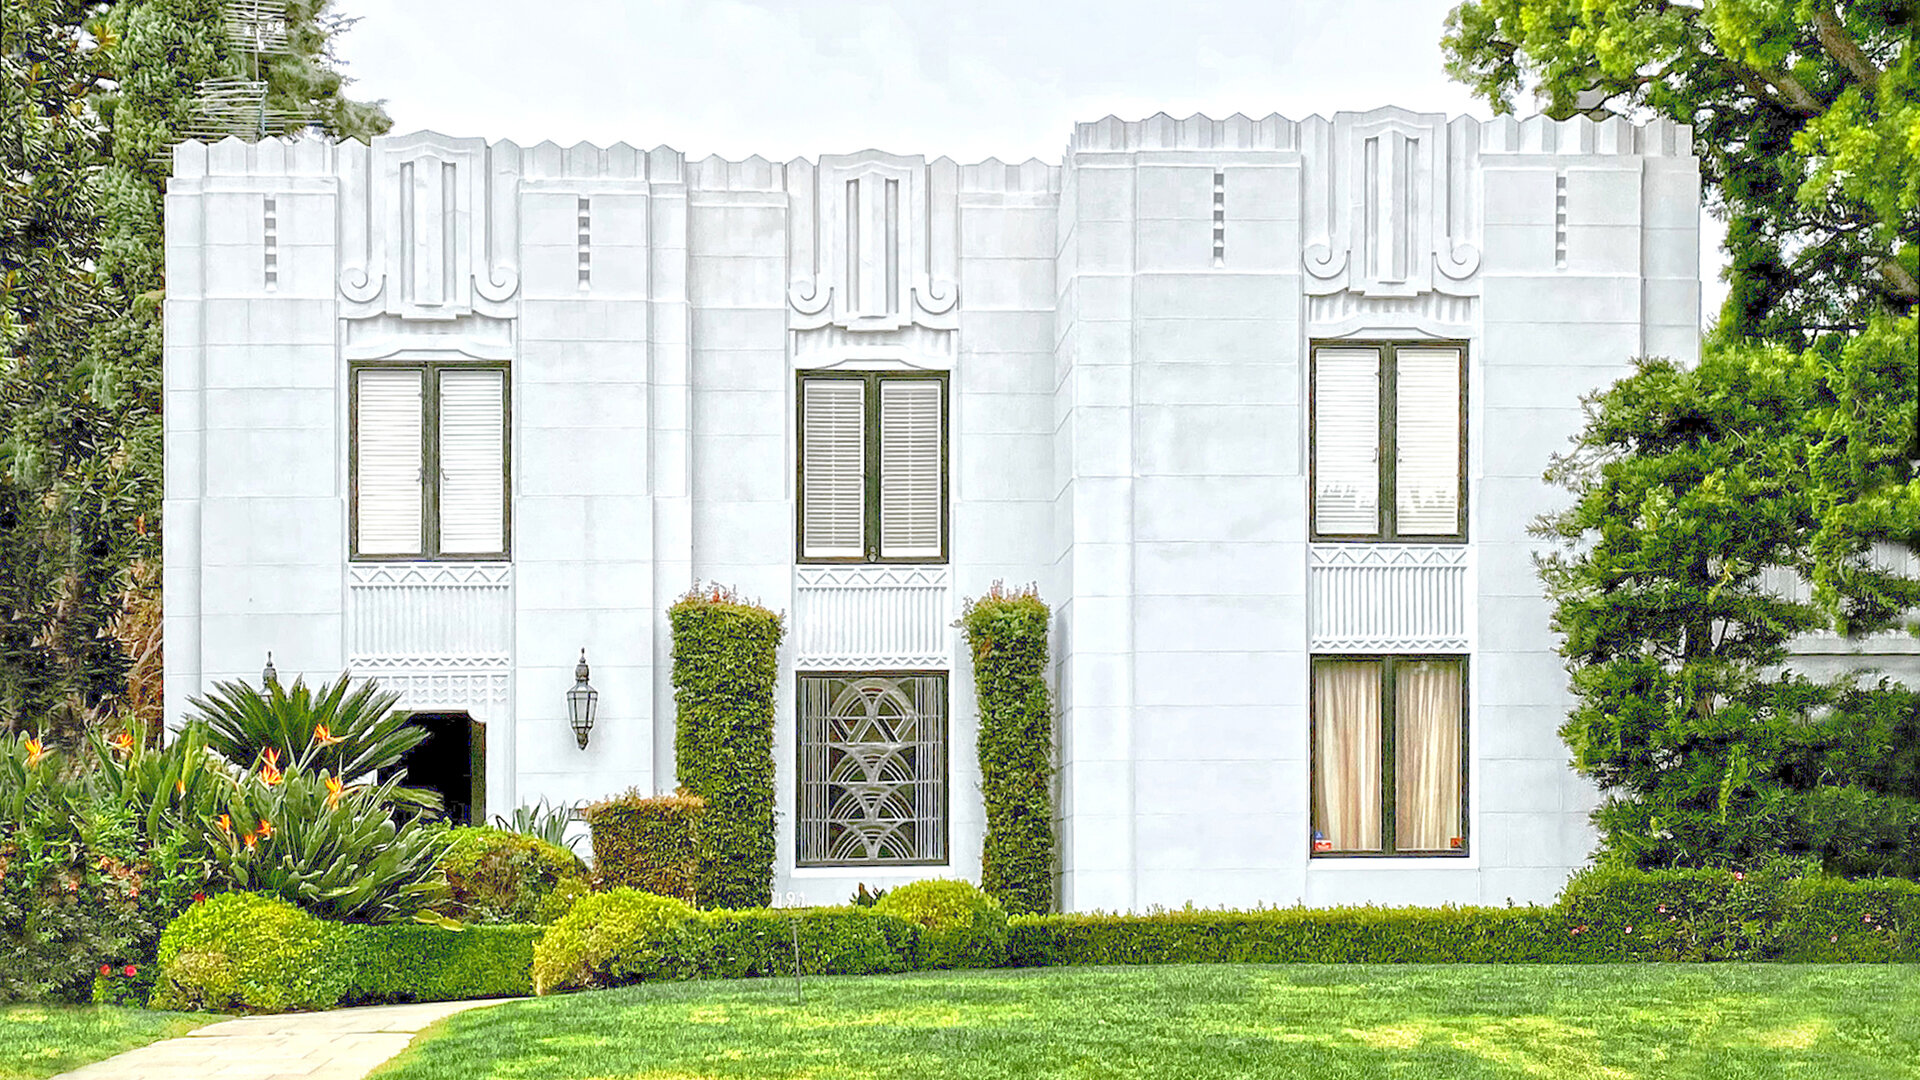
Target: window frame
{"points": [[430, 371], [1389, 787], [870, 477], [1388, 435], [946, 763]]}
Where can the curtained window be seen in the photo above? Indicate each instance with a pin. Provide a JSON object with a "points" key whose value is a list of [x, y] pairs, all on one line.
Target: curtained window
{"points": [[1389, 745]]}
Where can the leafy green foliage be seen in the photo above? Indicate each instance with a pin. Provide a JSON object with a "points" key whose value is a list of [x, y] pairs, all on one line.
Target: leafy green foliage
{"points": [[1688, 486], [496, 876], [398, 962], [333, 851], [348, 734], [250, 953], [1007, 633], [541, 821], [242, 951], [1803, 113], [617, 937], [89, 118], [831, 941], [960, 926], [724, 669], [650, 843]]}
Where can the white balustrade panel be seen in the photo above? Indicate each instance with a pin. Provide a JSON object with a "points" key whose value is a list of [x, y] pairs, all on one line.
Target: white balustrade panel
{"points": [[433, 613], [1389, 597], [872, 617]]}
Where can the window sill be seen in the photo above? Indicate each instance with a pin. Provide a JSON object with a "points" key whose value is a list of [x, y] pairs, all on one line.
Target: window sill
{"points": [[1357, 863]]}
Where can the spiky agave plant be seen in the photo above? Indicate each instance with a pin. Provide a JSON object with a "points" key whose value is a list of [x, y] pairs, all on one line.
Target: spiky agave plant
{"points": [[349, 735], [541, 821]]}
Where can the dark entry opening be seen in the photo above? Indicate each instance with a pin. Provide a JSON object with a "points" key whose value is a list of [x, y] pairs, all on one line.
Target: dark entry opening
{"points": [[451, 761]]}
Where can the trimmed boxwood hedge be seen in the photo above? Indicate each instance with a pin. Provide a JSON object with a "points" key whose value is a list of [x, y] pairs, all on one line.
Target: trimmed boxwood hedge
{"points": [[725, 668], [501, 876], [246, 952], [650, 843], [837, 941], [1007, 634]]}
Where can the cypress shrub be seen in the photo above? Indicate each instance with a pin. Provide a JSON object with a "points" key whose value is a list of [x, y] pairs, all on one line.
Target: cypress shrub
{"points": [[724, 673], [1007, 634], [650, 843]]}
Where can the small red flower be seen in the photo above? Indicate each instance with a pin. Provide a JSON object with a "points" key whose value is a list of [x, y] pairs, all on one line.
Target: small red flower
{"points": [[130, 971], [1738, 876], [107, 970], [199, 898]]}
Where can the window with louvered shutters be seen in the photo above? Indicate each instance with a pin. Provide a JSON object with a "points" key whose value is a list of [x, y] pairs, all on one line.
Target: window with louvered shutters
{"points": [[910, 425], [1346, 442], [387, 463], [472, 462], [833, 467], [1427, 442]]}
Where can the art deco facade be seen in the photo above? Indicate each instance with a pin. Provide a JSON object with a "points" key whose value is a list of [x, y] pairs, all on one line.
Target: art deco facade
{"points": [[1262, 407]]}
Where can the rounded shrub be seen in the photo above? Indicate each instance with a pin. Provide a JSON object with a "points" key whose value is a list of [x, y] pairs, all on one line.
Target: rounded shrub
{"points": [[499, 876], [249, 953], [960, 926], [617, 937]]}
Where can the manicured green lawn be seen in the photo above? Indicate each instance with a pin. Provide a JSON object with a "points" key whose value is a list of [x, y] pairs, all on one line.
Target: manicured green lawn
{"points": [[1826, 1022], [41, 1040]]}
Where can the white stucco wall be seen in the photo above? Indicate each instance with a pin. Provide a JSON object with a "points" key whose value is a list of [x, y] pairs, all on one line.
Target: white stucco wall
{"points": [[1128, 429]]}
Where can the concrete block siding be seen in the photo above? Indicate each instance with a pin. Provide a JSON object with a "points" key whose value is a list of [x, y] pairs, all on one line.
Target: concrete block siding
{"points": [[1126, 336]]}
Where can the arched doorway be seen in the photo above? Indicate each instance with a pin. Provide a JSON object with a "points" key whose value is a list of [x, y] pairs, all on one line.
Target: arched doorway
{"points": [[452, 761]]}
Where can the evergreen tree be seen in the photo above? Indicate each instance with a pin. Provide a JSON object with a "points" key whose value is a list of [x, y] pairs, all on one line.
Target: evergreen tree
{"points": [[80, 626]]}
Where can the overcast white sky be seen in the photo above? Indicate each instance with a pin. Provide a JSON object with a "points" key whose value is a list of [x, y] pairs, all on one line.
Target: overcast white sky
{"points": [[970, 80]]}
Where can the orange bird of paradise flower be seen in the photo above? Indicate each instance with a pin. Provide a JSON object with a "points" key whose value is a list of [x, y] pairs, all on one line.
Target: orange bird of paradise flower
{"points": [[35, 752], [266, 829], [323, 737], [247, 839], [334, 788], [122, 743], [269, 766], [225, 823]]}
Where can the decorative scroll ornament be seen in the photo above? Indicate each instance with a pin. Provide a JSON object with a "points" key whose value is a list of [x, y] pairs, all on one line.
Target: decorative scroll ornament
{"points": [[873, 242], [1391, 207], [428, 227]]}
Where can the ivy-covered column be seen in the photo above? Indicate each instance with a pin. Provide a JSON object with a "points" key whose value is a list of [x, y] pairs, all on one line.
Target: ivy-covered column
{"points": [[1007, 633], [725, 667]]}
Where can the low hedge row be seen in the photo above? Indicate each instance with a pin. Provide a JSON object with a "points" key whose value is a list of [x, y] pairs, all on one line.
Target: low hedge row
{"points": [[246, 952], [1603, 917]]}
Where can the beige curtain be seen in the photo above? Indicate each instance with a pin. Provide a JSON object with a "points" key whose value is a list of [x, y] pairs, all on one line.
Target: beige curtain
{"points": [[1346, 718], [1426, 756]]}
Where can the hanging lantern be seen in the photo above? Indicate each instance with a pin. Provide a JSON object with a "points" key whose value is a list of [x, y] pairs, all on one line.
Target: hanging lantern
{"points": [[581, 701]]}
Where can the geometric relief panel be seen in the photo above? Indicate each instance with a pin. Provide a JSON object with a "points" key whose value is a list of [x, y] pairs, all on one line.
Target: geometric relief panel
{"points": [[1388, 597]]}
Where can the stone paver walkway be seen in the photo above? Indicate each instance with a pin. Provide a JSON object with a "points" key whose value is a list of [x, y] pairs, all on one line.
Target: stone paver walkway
{"points": [[344, 1044]]}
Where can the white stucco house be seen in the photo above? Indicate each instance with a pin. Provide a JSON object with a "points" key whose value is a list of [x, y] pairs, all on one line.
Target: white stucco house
{"points": [[1261, 405]]}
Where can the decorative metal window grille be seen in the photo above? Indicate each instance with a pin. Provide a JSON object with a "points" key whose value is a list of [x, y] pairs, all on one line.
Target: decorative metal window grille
{"points": [[873, 772]]}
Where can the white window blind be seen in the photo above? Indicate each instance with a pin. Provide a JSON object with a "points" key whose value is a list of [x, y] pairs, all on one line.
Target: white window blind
{"points": [[909, 468], [387, 468], [472, 462], [833, 467], [1427, 442], [1346, 441]]}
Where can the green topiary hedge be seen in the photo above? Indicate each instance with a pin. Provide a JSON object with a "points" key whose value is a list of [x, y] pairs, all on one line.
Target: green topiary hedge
{"points": [[253, 953], [960, 926], [402, 962], [498, 876], [619, 937], [1007, 633], [832, 941], [724, 673], [650, 843], [246, 952]]}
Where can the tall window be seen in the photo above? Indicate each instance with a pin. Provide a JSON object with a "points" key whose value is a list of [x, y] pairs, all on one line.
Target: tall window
{"points": [[873, 468], [873, 773], [1389, 442], [1389, 756], [429, 461]]}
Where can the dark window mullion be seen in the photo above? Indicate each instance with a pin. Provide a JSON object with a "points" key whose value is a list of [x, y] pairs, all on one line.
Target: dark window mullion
{"points": [[871, 532], [1389, 442], [430, 462], [1388, 719]]}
